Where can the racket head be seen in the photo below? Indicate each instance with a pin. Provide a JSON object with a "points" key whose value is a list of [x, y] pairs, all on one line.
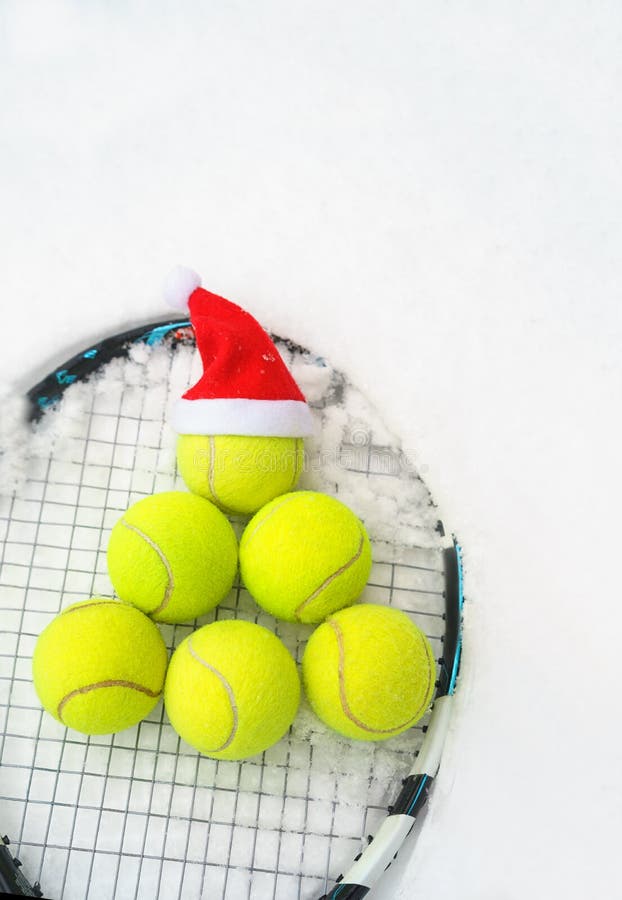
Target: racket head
{"points": [[140, 813]]}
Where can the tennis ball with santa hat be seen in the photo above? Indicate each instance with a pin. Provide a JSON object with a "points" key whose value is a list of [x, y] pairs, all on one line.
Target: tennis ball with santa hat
{"points": [[241, 426]]}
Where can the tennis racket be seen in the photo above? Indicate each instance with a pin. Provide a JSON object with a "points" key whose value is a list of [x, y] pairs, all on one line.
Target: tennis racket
{"points": [[140, 814]]}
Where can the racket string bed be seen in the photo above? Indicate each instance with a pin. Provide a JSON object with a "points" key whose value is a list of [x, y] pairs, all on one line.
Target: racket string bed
{"points": [[139, 814]]}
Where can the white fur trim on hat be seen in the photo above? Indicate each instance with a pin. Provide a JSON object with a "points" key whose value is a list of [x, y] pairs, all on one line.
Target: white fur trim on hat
{"points": [[267, 418]]}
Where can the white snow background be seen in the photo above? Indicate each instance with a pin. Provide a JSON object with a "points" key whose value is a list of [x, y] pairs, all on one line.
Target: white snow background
{"points": [[429, 194]]}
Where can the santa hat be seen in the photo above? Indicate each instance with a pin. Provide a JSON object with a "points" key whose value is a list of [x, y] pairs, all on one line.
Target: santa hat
{"points": [[245, 387]]}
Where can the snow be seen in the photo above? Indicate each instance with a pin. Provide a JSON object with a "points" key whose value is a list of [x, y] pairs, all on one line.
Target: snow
{"points": [[428, 195]]}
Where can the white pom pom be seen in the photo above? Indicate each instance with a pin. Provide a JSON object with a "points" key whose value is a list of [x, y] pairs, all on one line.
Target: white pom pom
{"points": [[179, 285]]}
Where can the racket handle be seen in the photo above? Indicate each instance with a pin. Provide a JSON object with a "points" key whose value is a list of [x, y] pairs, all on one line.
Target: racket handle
{"points": [[12, 881]]}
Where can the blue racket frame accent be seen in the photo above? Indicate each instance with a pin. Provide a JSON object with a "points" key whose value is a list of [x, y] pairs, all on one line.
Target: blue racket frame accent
{"points": [[347, 892], [50, 390]]}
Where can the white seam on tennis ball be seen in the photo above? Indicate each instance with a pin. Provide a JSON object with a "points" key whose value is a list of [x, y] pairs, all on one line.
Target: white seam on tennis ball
{"points": [[330, 578], [87, 688], [296, 472], [103, 602], [171, 581], [344, 700], [274, 509], [230, 694], [211, 483]]}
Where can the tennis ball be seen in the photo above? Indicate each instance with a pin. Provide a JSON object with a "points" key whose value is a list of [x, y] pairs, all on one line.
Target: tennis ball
{"points": [[232, 689], [99, 666], [369, 672], [173, 555], [239, 473], [304, 555]]}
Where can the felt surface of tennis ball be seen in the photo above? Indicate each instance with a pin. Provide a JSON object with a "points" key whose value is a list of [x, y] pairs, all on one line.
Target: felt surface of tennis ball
{"points": [[173, 555], [305, 555], [240, 474], [232, 689], [99, 666], [369, 672]]}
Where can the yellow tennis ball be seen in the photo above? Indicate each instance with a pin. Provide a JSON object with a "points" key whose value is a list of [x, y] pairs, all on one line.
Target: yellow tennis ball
{"points": [[99, 666], [232, 689], [305, 555], [173, 555], [239, 473], [369, 672]]}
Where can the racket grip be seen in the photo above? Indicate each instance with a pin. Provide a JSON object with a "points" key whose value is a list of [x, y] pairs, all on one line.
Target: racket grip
{"points": [[12, 882]]}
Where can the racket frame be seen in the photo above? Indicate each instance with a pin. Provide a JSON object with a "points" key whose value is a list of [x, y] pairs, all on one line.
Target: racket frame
{"points": [[382, 848]]}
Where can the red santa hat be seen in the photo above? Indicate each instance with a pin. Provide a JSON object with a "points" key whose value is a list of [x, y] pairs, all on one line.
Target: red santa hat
{"points": [[245, 387]]}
